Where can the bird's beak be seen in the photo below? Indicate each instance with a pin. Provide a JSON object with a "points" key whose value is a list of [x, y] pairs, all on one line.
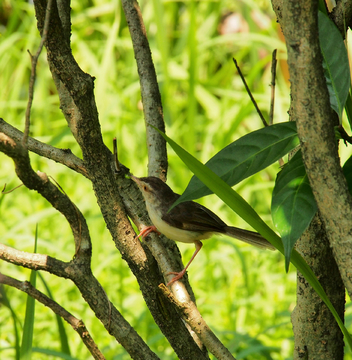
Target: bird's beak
{"points": [[135, 179]]}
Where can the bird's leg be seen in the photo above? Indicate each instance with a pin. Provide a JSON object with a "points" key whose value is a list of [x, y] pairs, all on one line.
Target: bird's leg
{"points": [[180, 274], [146, 231]]}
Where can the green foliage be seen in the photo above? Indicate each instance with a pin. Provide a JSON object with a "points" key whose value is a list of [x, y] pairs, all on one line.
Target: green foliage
{"points": [[336, 64], [65, 347], [242, 292], [245, 157], [293, 205]]}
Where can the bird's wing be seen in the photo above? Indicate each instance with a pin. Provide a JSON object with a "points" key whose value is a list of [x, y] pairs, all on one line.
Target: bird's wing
{"points": [[194, 217]]}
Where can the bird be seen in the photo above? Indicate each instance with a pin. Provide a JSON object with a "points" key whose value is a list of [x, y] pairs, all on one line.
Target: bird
{"points": [[187, 222]]}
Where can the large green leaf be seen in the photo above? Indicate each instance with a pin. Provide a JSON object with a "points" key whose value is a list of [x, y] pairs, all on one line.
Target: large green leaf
{"points": [[244, 210], [293, 205], [336, 66], [246, 156]]}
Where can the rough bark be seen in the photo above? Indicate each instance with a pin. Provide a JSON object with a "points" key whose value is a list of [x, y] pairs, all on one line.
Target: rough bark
{"points": [[310, 102], [151, 99], [316, 332], [317, 335]]}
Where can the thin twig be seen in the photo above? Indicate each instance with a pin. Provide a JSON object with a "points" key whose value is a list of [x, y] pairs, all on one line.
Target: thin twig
{"points": [[249, 93], [8, 191], [34, 60], [272, 84], [76, 324], [40, 182], [116, 159]]}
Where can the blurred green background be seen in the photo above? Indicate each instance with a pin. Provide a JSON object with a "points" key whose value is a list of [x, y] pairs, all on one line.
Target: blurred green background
{"points": [[242, 292]]}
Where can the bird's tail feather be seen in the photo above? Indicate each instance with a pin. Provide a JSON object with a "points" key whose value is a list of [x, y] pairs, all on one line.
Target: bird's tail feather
{"points": [[249, 237]]}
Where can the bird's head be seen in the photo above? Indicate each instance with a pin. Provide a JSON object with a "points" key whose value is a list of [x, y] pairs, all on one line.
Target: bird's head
{"points": [[154, 190]]}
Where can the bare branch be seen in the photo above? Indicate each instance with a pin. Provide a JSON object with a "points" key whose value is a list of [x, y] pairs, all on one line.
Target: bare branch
{"points": [[191, 314], [76, 324], [151, 99], [34, 261], [250, 93], [10, 191], [34, 60], [40, 182], [116, 158], [92, 292], [62, 156], [272, 84], [78, 86]]}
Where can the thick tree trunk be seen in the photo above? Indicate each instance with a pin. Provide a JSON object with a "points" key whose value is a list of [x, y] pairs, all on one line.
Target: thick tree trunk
{"points": [[316, 332], [317, 335]]}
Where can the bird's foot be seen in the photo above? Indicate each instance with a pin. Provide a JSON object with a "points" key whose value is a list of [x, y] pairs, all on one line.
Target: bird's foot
{"points": [[179, 275], [146, 231]]}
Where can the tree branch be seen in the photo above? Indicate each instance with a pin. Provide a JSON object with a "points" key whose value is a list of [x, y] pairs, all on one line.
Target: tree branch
{"points": [[191, 315], [99, 164], [35, 261], [62, 156], [34, 60], [151, 99], [40, 182], [92, 292], [76, 324]]}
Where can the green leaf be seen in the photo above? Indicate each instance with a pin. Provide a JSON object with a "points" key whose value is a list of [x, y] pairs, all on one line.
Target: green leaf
{"points": [[293, 205], [335, 64], [65, 348], [27, 337], [53, 354], [347, 171], [244, 210], [322, 7], [4, 300], [246, 156], [348, 108]]}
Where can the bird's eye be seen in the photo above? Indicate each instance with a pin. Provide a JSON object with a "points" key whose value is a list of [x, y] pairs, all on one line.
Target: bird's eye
{"points": [[145, 188]]}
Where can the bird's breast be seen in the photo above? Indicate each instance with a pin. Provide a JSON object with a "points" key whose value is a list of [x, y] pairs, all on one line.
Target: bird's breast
{"points": [[172, 232]]}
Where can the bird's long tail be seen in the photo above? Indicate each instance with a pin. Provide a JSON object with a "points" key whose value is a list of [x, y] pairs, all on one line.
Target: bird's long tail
{"points": [[249, 237]]}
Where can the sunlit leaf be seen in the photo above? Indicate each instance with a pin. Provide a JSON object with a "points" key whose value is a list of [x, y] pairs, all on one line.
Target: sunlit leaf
{"points": [[347, 171], [348, 108], [293, 205], [246, 156], [336, 66]]}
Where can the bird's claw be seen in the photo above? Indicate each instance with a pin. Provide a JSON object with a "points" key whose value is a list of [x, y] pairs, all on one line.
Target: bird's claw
{"points": [[146, 231], [178, 276]]}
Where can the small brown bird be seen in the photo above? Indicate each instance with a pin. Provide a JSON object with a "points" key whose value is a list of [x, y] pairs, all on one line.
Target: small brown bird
{"points": [[188, 222]]}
